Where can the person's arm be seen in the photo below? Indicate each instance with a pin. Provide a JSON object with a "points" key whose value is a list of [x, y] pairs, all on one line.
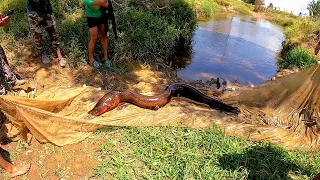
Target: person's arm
{"points": [[103, 3], [4, 21]]}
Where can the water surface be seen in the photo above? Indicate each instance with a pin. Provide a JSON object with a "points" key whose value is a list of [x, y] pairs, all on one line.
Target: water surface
{"points": [[237, 49]]}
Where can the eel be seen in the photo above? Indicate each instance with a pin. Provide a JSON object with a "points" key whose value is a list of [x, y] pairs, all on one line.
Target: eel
{"points": [[112, 99]]}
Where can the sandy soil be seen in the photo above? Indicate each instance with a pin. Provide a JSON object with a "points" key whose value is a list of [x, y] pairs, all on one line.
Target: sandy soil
{"points": [[76, 161]]}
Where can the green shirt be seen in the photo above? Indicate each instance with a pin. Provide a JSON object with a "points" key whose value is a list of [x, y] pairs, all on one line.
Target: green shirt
{"points": [[92, 11]]}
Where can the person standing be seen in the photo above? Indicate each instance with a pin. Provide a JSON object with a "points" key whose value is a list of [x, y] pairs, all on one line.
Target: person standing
{"points": [[97, 26], [8, 76], [40, 15]]}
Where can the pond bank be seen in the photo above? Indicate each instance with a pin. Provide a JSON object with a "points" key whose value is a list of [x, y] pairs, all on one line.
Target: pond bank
{"points": [[235, 48]]}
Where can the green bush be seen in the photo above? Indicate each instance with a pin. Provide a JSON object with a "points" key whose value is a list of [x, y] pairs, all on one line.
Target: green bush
{"points": [[225, 3], [207, 8], [292, 30], [144, 36], [297, 57]]}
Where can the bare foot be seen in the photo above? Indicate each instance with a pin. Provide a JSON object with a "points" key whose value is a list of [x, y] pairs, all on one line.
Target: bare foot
{"points": [[18, 170]]}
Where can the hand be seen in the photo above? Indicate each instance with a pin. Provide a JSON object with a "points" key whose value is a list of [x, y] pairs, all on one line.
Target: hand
{"points": [[4, 21], [106, 4]]}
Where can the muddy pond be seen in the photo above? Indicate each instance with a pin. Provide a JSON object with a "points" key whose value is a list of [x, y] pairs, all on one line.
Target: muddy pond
{"points": [[234, 48]]}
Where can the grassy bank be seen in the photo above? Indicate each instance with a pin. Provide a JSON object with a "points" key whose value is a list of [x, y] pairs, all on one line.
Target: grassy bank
{"points": [[148, 30], [177, 153], [301, 37], [301, 33], [207, 8]]}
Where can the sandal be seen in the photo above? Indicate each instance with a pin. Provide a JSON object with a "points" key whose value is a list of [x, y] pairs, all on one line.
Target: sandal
{"points": [[45, 59], [95, 64], [107, 63], [62, 62]]}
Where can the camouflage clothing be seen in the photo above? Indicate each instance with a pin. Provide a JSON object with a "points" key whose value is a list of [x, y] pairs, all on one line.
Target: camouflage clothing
{"points": [[6, 74], [46, 21], [39, 6]]}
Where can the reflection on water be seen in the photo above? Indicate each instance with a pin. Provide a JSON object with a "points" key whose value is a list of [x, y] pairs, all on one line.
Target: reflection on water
{"points": [[240, 49]]}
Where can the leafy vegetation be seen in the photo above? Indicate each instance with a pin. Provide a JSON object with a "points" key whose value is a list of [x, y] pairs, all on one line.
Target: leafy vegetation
{"points": [[314, 8], [208, 8], [297, 57], [249, 1]]}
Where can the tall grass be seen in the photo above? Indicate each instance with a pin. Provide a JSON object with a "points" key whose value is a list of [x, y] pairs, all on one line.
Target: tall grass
{"points": [[145, 33], [297, 57], [207, 8]]}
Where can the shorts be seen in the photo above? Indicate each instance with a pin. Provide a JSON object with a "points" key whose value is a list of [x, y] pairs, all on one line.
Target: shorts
{"points": [[94, 22]]}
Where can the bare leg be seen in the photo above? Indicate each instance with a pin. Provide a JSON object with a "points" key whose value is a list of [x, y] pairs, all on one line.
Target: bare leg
{"points": [[59, 53], [92, 42], [13, 170], [104, 41]]}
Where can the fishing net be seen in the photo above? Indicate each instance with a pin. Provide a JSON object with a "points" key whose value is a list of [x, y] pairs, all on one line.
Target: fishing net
{"points": [[283, 112], [59, 115]]}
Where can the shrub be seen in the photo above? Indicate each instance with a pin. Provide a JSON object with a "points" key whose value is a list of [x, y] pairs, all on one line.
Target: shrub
{"points": [[225, 3], [207, 8], [297, 57], [144, 36]]}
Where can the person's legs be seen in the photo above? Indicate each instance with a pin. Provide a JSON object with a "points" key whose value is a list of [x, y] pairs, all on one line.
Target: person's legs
{"points": [[35, 28], [6, 73], [104, 41], [92, 42], [51, 28]]}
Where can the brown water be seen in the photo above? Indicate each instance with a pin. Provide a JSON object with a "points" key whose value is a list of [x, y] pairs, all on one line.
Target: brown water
{"points": [[237, 49]]}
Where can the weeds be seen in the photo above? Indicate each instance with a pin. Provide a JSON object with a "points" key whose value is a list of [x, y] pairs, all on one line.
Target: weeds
{"points": [[297, 57]]}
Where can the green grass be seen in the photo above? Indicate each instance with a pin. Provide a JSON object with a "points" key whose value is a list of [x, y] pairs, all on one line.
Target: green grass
{"points": [[297, 57], [145, 34], [178, 153], [207, 8]]}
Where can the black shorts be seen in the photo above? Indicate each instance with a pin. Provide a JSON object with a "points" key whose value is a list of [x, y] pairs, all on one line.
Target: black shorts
{"points": [[94, 22]]}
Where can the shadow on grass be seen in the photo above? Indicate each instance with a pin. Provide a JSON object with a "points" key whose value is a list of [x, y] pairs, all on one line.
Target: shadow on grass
{"points": [[266, 162]]}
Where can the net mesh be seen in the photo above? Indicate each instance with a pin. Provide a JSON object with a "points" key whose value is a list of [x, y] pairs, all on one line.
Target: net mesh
{"points": [[284, 112]]}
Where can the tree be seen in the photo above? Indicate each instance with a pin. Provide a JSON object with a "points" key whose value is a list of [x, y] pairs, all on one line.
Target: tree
{"points": [[314, 8], [270, 6], [249, 1]]}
